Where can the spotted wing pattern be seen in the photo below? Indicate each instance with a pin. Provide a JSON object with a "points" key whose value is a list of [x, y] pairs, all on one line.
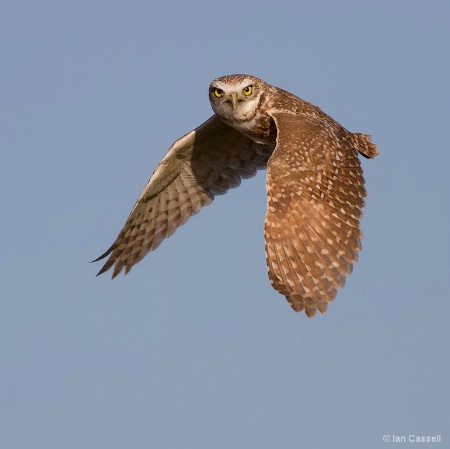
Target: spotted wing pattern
{"points": [[316, 193], [205, 162]]}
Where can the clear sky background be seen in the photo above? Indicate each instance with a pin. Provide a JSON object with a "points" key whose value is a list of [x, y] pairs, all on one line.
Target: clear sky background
{"points": [[194, 349]]}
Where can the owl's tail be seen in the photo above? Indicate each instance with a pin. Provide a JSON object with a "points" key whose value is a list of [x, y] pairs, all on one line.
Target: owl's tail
{"points": [[365, 146]]}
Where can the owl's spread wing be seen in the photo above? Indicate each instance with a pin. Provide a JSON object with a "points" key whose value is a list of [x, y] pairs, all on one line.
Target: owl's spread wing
{"points": [[316, 193], [205, 162]]}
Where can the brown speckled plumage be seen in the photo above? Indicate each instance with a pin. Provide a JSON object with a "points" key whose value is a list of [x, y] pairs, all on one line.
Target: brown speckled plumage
{"points": [[315, 187]]}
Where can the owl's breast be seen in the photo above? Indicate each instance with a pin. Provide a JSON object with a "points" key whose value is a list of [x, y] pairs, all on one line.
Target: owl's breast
{"points": [[260, 128]]}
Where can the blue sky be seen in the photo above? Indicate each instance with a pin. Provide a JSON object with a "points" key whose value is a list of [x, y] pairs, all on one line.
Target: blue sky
{"points": [[194, 348]]}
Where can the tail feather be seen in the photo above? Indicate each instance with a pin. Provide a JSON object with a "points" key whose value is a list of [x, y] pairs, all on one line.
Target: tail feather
{"points": [[365, 146]]}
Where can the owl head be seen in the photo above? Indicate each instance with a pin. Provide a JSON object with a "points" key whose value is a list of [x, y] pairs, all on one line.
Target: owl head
{"points": [[235, 97]]}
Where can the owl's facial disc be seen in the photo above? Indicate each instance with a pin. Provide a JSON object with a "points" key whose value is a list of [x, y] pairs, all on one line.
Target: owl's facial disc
{"points": [[233, 100]]}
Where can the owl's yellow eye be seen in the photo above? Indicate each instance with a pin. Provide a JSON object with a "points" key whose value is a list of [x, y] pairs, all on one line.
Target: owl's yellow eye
{"points": [[247, 90], [218, 93]]}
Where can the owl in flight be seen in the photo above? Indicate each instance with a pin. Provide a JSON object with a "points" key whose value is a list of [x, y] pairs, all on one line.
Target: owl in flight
{"points": [[315, 187]]}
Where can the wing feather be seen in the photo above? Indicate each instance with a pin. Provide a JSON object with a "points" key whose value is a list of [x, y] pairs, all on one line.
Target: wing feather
{"points": [[316, 193], [204, 163]]}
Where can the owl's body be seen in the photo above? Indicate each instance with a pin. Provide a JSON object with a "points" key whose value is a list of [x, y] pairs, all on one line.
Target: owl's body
{"points": [[315, 187]]}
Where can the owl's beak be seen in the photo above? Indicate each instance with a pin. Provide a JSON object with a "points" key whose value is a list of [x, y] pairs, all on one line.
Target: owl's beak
{"points": [[234, 101]]}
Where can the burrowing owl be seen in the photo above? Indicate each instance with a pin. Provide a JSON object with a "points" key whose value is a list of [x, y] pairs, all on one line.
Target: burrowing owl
{"points": [[315, 187]]}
